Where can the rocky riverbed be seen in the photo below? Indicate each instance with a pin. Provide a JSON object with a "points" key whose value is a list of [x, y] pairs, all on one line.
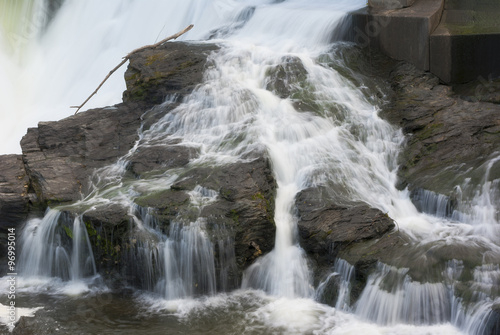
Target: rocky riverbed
{"points": [[450, 134]]}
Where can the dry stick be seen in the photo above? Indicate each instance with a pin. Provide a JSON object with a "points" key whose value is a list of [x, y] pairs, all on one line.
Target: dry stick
{"points": [[127, 57]]}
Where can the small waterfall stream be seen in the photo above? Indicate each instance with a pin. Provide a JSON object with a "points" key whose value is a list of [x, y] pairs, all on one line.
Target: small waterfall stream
{"points": [[243, 109], [56, 246]]}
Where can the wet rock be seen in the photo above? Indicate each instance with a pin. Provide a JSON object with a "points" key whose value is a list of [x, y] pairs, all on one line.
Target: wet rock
{"points": [[166, 204], [108, 226], [162, 158], [448, 138], [493, 322], [323, 223], [325, 228], [286, 79]]}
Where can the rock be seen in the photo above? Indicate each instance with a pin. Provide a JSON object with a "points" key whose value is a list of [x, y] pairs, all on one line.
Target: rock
{"points": [[390, 4], [466, 44], [400, 33], [286, 79], [322, 223], [326, 229], [173, 69], [493, 322], [61, 156], [16, 197], [355, 232], [448, 138], [167, 204], [157, 158]]}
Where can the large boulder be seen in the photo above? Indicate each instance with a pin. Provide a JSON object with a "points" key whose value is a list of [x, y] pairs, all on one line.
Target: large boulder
{"points": [[325, 228], [328, 231], [172, 70]]}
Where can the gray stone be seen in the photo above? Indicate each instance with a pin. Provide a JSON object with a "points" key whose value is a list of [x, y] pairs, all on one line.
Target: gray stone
{"points": [[326, 228], [449, 139], [402, 34], [157, 158], [172, 70]]}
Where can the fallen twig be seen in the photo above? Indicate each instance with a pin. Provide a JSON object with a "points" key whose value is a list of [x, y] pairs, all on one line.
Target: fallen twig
{"points": [[127, 57]]}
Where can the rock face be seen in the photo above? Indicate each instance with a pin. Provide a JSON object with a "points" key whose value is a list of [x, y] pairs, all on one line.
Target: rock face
{"points": [[328, 231], [448, 138], [400, 33], [154, 75], [326, 228], [60, 156]]}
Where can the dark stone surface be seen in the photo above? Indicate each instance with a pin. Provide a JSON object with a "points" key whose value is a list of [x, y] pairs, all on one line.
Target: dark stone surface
{"points": [[16, 201], [326, 229], [457, 40], [15, 193], [173, 69], [157, 158], [462, 58], [60, 156], [390, 4], [323, 225], [448, 138], [493, 322]]}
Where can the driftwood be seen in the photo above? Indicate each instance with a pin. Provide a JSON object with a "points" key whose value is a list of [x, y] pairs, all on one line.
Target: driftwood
{"points": [[127, 57]]}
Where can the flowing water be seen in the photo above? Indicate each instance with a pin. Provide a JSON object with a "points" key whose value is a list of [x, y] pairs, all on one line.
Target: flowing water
{"points": [[240, 110]]}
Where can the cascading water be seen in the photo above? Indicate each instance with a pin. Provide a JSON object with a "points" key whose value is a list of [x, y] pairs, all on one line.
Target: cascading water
{"points": [[318, 130], [56, 247], [182, 264]]}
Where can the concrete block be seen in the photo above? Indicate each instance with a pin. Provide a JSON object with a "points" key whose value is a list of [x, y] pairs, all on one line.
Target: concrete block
{"points": [[466, 44], [463, 58], [402, 34]]}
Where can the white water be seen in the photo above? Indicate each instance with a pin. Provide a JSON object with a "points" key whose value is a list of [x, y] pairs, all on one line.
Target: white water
{"points": [[342, 144], [56, 247]]}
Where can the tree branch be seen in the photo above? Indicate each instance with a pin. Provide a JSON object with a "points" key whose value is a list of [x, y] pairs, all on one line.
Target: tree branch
{"points": [[127, 57]]}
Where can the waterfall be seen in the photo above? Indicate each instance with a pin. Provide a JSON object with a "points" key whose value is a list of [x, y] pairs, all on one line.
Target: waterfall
{"points": [[335, 289], [182, 263], [274, 88], [392, 297], [472, 203], [56, 246]]}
